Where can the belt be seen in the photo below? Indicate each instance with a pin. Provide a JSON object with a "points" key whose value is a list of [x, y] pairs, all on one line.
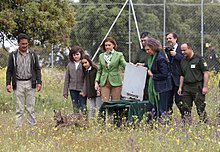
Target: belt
{"points": [[24, 79]]}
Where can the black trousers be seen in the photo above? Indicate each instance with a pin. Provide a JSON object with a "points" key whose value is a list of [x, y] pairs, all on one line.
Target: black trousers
{"points": [[193, 92], [174, 97]]}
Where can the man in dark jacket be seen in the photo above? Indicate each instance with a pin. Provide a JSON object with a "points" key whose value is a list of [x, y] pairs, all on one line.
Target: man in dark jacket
{"points": [[193, 83], [23, 75], [175, 56], [212, 58]]}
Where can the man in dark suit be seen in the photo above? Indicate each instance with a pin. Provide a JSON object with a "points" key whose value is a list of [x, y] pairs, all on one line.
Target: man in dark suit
{"points": [[175, 56]]}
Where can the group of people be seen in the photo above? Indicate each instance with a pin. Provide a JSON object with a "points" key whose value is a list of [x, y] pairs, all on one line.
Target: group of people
{"points": [[94, 83], [175, 73], [85, 81]]}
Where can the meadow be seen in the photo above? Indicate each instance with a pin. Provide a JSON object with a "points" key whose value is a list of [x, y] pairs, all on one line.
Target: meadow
{"points": [[97, 137]]}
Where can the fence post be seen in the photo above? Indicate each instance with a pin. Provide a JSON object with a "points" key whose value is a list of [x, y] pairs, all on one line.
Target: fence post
{"points": [[164, 23], [52, 56], [202, 27]]}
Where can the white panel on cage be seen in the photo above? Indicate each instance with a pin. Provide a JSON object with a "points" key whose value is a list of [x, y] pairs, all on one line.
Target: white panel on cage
{"points": [[134, 82]]}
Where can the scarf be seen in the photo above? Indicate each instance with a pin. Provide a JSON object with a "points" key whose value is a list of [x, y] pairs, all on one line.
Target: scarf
{"points": [[108, 57], [153, 95]]}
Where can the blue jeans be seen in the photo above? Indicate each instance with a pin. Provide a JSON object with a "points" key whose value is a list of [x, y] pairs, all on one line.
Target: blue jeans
{"points": [[78, 101], [94, 106]]}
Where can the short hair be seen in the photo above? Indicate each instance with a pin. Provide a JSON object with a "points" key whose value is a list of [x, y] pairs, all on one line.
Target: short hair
{"points": [[109, 39], [22, 36], [174, 34], [154, 44], [75, 50], [189, 45], [145, 34]]}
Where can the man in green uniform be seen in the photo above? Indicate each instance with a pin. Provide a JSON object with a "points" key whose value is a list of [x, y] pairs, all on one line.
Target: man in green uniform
{"points": [[193, 83], [142, 57], [212, 58]]}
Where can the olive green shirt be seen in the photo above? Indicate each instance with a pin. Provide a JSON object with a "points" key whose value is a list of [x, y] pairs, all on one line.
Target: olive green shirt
{"points": [[192, 69], [142, 56]]}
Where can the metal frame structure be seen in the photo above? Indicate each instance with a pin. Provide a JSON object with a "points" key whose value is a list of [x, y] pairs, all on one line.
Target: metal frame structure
{"points": [[131, 7]]}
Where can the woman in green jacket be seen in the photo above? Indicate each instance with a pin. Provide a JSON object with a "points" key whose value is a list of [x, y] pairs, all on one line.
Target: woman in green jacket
{"points": [[108, 76]]}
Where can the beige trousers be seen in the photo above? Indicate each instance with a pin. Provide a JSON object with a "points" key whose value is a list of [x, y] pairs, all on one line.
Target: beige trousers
{"points": [[107, 89], [25, 99]]}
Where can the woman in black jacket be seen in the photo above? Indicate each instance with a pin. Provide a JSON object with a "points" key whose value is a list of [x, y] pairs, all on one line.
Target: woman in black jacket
{"points": [[159, 78]]}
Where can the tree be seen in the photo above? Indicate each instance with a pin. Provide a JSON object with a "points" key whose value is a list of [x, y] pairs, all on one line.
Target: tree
{"points": [[44, 20], [182, 17], [93, 24]]}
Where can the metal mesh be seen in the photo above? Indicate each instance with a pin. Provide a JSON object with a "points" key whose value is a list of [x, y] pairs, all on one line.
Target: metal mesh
{"points": [[92, 23]]}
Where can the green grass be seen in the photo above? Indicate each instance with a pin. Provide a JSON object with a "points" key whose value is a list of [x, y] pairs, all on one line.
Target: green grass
{"points": [[98, 137]]}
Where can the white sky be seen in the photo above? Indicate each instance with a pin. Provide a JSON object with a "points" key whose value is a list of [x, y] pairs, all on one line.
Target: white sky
{"points": [[11, 45]]}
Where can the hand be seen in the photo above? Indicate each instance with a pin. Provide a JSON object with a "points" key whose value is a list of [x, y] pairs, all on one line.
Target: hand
{"points": [[179, 92], [96, 85], [164, 47], [82, 94], [139, 64], [173, 53], [204, 90], [38, 87], [98, 93], [150, 73], [9, 88], [65, 96]]}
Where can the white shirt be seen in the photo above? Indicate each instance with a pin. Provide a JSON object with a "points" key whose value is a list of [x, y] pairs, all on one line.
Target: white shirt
{"points": [[175, 46], [90, 68], [77, 64]]}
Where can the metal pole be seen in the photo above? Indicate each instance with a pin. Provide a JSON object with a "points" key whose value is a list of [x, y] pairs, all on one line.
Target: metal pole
{"points": [[164, 23], [136, 25], [202, 27], [110, 29], [52, 58], [129, 31]]}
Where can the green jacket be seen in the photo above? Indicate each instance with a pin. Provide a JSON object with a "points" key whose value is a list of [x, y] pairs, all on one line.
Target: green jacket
{"points": [[111, 73]]}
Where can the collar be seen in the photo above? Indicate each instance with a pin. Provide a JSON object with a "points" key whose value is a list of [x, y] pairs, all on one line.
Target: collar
{"points": [[90, 68], [175, 46], [77, 62], [110, 52], [193, 56], [23, 53]]}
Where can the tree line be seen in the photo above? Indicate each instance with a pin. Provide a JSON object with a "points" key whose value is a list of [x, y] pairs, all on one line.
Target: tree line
{"points": [[64, 23]]}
